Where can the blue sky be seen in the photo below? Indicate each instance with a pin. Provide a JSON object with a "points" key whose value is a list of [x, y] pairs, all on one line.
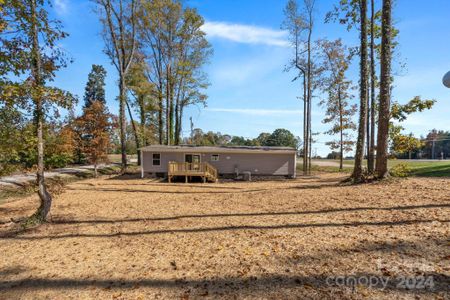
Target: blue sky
{"points": [[249, 91]]}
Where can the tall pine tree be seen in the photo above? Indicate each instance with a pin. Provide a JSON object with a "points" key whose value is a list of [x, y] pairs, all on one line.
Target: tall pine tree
{"points": [[95, 86]]}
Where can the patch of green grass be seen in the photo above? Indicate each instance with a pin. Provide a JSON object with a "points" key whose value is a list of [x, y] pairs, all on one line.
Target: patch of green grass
{"points": [[325, 169], [417, 168], [425, 168]]}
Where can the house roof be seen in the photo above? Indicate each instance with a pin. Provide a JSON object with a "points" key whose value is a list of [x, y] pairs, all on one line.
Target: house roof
{"points": [[218, 149]]}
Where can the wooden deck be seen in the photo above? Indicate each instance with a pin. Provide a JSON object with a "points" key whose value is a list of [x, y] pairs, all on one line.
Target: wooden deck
{"points": [[204, 170]]}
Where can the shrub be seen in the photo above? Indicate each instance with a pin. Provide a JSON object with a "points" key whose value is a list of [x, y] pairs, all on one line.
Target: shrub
{"points": [[400, 170], [7, 168], [57, 161]]}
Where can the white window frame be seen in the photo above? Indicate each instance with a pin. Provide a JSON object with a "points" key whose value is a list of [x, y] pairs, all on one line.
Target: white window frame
{"points": [[215, 157], [153, 159]]}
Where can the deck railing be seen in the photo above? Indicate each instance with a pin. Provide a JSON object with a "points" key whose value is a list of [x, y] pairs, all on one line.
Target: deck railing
{"points": [[192, 169], [177, 167], [211, 170]]}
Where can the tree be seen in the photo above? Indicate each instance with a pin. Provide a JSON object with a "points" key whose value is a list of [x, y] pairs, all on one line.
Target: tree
{"points": [[398, 142], [355, 13], [176, 50], [357, 175], [338, 111], [372, 112], [60, 145], [385, 91], [119, 33], [282, 138], [262, 138], [95, 86], [10, 136], [190, 79], [401, 143], [96, 126], [300, 26], [29, 50], [437, 144], [400, 112], [144, 94]]}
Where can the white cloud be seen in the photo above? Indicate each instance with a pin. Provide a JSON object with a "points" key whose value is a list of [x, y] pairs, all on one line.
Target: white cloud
{"points": [[246, 34], [61, 6], [242, 69]]}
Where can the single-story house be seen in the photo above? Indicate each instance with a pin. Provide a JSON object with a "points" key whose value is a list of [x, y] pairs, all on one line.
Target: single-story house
{"points": [[223, 160]]}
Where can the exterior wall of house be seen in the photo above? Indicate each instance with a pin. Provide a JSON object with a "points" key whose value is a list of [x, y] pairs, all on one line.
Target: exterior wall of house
{"points": [[147, 161], [256, 163]]}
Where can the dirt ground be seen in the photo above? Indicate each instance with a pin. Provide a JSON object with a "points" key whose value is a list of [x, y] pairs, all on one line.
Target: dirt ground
{"points": [[125, 238]]}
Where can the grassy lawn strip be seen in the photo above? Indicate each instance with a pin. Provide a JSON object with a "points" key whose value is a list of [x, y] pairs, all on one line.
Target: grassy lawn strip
{"points": [[418, 168], [429, 169], [325, 169]]}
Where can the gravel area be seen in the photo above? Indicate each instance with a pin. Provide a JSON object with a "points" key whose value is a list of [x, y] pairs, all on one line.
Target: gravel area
{"points": [[306, 238]]}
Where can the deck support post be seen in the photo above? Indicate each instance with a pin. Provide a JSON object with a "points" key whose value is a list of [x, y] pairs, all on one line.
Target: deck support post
{"points": [[186, 179]]}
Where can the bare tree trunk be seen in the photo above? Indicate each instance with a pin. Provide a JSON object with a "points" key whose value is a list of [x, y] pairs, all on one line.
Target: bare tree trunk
{"points": [[180, 117], [359, 155], [367, 119], [122, 122], [136, 136], [371, 157], [305, 127], [309, 69], [36, 65], [160, 119], [171, 115], [168, 107], [95, 170], [310, 138], [341, 129], [143, 121], [179, 111], [177, 123], [385, 91], [122, 55]]}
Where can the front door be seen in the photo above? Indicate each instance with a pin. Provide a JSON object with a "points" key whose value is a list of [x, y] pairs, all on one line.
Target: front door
{"points": [[194, 159]]}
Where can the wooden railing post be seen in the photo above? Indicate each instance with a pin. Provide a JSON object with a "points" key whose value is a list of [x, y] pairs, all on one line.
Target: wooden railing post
{"points": [[203, 169]]}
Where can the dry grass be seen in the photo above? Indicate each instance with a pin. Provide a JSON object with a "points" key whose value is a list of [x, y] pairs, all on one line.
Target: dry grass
{"points": [[137, 239]]}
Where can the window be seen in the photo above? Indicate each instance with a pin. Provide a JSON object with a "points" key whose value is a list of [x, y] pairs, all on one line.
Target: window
{"points": [[156, 159], [215, 157]]}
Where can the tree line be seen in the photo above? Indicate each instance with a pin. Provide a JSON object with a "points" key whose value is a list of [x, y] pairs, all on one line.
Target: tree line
{"points": [[278, 138], [158, 51], [321, 66], [157, 48]]}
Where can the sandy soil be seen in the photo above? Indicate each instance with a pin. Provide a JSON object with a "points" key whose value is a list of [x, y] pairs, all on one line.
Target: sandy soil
{"points": [[141, 239]]}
